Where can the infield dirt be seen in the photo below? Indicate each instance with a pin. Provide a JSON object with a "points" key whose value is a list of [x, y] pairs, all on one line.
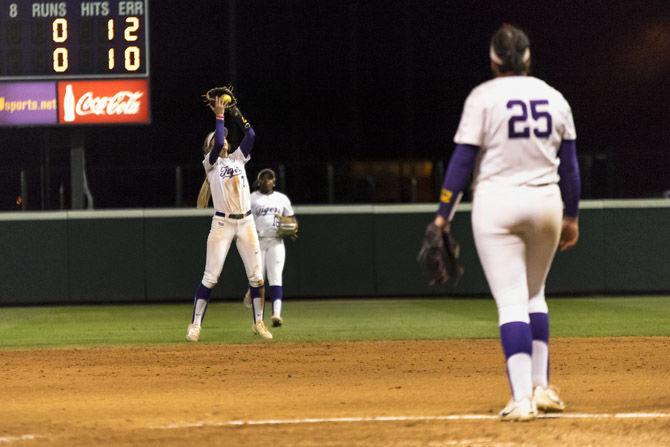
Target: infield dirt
{"points": [[187, 394]]}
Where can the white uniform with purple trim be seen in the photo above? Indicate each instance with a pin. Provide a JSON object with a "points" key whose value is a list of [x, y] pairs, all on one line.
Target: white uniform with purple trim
{"points": [[518, 122], [230, 194], [265, 209]]}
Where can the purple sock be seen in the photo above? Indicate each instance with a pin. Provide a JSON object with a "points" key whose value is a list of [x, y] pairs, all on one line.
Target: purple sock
{"points": [[516, 338], [202, 292], [539, 325], [200, 303], [517, 344], [276, 293]]}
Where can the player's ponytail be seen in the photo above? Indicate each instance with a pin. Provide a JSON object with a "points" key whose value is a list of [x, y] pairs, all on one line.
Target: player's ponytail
{"points": [[205, 192], [510, 50], [204, 195], [208, 143]]}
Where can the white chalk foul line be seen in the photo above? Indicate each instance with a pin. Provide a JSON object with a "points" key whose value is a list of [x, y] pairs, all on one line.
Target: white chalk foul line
{"points": [[8, 439], [453, 417]]}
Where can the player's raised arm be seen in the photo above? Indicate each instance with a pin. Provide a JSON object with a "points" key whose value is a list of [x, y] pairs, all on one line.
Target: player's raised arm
{"points": [[220, 132], [247, 142]]}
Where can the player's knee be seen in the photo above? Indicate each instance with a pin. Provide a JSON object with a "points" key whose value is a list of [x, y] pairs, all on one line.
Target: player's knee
{"points": [[513, 312], [256, 282], [537, 304], [209, 280], [274, 280]]}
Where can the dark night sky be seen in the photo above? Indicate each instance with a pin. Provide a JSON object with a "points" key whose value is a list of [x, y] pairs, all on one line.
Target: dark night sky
{"points": [[376, 80]]}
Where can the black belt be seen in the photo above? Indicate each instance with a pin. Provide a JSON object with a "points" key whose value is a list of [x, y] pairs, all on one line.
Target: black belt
{"points": [[233, 216]]}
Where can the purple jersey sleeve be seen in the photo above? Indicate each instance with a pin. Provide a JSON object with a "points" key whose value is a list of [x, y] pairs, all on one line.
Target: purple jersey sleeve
{"points": [[247, 142], [219, 137], [457, 177], [569, 182]]}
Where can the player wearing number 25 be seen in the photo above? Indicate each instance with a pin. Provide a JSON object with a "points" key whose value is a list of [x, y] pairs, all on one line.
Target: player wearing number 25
{"points": [[518, 136]]}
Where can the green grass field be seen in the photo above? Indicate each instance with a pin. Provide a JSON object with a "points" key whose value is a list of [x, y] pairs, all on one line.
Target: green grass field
{"points": [[322, 321]]}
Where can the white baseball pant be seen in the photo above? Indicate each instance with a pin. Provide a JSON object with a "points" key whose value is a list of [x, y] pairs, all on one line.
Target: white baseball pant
{"points": [[516, 231], [273, 257], [221, 235]]}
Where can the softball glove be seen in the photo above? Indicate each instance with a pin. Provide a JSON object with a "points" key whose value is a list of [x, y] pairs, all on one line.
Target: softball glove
{"points": [[438, 256], [287, 226], [216, 92]]}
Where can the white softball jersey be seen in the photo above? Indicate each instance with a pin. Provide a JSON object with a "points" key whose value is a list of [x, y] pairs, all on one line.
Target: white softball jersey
{"points": [[265, 207], [519, 123], [230, 194], [228, 183]]}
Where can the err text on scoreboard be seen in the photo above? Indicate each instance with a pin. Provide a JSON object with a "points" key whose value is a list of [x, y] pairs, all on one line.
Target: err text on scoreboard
{"points": [[59, 46]]}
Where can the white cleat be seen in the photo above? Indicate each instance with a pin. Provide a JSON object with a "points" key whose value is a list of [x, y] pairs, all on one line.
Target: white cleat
{"points": [[276, 321], [521, 411], [247, 299], [260, 329], [193, 332], [548, 400]]}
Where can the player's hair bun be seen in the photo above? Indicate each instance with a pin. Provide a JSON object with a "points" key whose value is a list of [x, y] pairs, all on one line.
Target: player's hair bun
{"points": [[510, 49]]}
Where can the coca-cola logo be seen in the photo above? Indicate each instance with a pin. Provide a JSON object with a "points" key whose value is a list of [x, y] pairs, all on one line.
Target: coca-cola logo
{"points": [[99, 102], [122, 103]]}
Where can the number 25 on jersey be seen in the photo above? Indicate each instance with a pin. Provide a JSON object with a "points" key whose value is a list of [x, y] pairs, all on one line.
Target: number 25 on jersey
{"points": [[518, 125]]}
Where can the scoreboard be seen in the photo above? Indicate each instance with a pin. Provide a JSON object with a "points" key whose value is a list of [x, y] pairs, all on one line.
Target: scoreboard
{"points": [[74, 62], [76, 39]]}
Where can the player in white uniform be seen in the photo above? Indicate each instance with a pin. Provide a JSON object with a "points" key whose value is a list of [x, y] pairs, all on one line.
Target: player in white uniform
{"points": [[518, 136], [232, 220], [266, 206]]}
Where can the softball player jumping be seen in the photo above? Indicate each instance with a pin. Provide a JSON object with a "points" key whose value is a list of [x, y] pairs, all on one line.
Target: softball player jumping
{"points": [[518, 135], [266, 206], [232, 220]]}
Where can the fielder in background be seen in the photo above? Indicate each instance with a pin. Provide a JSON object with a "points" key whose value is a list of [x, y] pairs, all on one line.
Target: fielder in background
{"points": [[229, 186], [518, 135], [275, 220]]}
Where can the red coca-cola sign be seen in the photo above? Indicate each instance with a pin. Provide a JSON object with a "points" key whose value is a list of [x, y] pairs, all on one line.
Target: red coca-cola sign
{"points": [[102, 102]]}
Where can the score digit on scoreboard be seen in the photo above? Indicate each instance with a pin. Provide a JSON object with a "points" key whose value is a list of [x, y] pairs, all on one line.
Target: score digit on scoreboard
{"points": [[92, 55]]}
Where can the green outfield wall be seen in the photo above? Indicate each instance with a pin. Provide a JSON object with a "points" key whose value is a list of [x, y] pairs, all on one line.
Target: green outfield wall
{"points": [[343, 251]]}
